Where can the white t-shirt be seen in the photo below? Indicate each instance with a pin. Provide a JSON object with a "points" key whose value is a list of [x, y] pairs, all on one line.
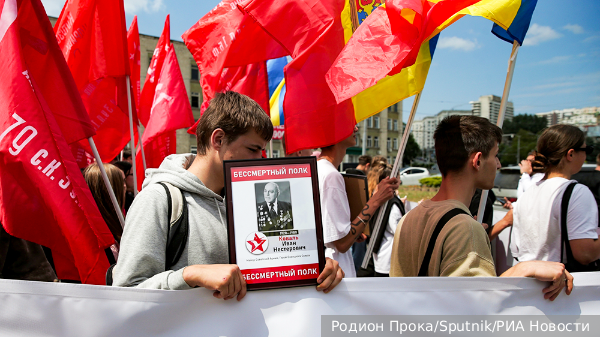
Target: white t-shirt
{"points": [[383, 258], [335, 211], [527, 181], [536, 219]]}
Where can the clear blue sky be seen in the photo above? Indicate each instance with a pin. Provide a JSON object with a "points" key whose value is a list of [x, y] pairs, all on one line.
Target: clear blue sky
{"points": [[557, 68]]}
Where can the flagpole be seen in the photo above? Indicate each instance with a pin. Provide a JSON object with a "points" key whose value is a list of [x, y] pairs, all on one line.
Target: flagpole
{"points": [[509, 76], [394, 174], [271, 148], [142, 147], [111, 192], [132, 142]]}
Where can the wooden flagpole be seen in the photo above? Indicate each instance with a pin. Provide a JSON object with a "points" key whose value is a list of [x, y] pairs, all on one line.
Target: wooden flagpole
{"points": [[509, 76], [111, 192], [132, 142], [379, 225]]}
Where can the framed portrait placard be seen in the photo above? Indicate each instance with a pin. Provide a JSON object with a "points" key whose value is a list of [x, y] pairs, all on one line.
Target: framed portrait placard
{"points": [[274, 221]]}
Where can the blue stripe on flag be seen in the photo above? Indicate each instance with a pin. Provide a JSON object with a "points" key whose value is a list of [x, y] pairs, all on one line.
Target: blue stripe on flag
{"points": [[518, 28]]}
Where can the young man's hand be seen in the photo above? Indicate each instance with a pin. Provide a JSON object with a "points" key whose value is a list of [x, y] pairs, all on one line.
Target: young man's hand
{"points": [[331, 276], [225, 279], [547, 271], [386, 189]]}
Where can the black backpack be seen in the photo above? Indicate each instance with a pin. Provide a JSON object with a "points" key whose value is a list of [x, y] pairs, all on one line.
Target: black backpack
{"points": [[177, 232], [571, 264]]}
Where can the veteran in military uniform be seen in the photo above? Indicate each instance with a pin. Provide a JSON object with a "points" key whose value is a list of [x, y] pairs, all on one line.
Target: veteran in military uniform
{"points": [[274, 214]]}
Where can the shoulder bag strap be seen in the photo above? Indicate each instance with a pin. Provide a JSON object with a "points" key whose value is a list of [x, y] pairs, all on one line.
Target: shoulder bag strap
{"points": [[564, 235], [423, 271]]}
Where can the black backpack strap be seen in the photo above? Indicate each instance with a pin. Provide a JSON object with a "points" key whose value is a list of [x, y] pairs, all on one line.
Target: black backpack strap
{"points": [[178, 228], [386, 218], [423, 271], [564, 235]]}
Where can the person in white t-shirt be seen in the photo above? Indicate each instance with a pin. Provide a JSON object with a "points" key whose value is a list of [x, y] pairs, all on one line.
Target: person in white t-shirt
{"points": [[339, 231], [528, 178], [561, 151]]}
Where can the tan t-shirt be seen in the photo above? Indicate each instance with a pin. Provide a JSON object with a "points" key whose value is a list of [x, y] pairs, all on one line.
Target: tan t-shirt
{"points": [[462, 247]]}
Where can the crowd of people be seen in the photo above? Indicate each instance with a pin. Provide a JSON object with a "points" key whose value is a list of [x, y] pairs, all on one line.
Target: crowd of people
{"points": [[551, 228]]}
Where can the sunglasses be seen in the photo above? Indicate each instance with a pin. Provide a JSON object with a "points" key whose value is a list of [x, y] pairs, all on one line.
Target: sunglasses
{"points": [[588, 149]]}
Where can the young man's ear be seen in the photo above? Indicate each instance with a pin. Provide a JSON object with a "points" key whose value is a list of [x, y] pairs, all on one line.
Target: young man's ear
{"points": [[476, 162], [217, 139]]}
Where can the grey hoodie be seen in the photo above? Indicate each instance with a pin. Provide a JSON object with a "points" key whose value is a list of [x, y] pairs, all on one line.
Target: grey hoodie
{"points": [[143, 245]]}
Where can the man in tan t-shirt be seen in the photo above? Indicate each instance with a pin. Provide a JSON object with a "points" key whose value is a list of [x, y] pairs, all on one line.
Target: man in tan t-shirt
{"points": [[466, 150]]}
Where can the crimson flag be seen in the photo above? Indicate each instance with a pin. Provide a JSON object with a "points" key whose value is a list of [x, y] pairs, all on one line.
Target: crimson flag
{"points": [[171, 111], [251, 80], [313, 118], [211, 42], [92, 37], [154, 70], [133, 46], [47, 64], [43, 196]]}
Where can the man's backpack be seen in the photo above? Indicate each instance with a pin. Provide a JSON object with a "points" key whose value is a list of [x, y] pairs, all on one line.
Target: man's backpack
{"points": [[177, 232], [571, 264]]}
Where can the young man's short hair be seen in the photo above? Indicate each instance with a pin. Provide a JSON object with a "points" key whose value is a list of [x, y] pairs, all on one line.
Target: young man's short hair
{"points": [[457, 137], [235, 114], [364, 160]]}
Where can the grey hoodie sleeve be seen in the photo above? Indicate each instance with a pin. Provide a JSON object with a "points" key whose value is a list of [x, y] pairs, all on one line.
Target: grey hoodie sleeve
{"points": [[143, 245]]}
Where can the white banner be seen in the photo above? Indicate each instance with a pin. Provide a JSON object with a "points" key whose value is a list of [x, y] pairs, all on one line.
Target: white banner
{"points": [[51, 309]]}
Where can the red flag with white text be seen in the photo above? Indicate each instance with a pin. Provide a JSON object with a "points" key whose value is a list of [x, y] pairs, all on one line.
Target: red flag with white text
{"points": [[171, 111], [154, 71], [43, 196]]}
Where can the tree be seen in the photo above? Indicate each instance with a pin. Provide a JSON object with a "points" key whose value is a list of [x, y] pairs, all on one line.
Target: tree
{"points": [[523, 140], [531, 123], [411, 152]]}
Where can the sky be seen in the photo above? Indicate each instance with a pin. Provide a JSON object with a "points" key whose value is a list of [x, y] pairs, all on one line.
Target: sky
{"points": [[558, 67]]}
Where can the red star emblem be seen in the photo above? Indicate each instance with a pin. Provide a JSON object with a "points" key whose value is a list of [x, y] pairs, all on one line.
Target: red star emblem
{"points": [[259, 243]]}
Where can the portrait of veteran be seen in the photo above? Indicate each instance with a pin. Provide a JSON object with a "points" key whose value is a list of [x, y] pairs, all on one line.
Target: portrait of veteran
{"points": [[273, 213]]}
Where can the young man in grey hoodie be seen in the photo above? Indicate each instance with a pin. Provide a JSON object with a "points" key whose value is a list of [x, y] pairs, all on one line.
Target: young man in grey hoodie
{"points": [[232, 127]]}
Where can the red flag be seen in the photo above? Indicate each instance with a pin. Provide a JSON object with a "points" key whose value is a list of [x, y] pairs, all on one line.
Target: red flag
{"points": [[48, 66], [211, 39], [313, 118], [156, 64], [171, 111], [92, 37], [43, 196], [133, 46], [251, 80]]}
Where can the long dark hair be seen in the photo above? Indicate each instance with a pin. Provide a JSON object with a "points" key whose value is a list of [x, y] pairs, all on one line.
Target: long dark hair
{"points": [[93, 178], [554, 144]]}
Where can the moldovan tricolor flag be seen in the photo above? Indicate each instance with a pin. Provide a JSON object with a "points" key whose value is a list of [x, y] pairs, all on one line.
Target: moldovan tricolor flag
{"points": [[171, 111], [154, 70], [43, 196], [133, 47], [386, 43], [92, 36]]}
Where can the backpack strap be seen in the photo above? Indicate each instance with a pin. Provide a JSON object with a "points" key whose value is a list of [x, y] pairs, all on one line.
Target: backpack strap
{"points": [[423, 271], [564, 235], [178, 229]]}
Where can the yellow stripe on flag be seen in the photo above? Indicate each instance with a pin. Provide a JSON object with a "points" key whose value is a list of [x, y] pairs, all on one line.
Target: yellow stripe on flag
{"points": [[274, 104], [392, 89]]}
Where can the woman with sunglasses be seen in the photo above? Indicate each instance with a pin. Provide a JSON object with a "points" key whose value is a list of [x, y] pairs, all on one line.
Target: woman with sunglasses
{"points": [[536, 235]]}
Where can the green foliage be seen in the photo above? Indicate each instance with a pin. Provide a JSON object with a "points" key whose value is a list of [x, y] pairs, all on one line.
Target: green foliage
{"points": [[531, 123], [524, 141], [411, 152], [431, 181]]}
